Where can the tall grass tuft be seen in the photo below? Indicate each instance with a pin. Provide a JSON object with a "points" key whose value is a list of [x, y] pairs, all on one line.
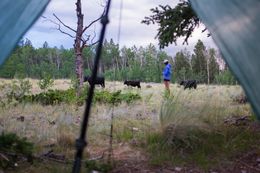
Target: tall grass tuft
{"points": [[193, 132]]}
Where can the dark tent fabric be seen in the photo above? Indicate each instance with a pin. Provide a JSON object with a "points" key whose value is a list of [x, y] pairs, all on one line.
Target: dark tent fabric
{"points": [[234, 26], [16, 16]]}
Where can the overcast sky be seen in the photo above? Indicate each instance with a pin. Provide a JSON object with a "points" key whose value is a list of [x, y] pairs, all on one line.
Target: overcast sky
{"points": [[132, 31]]}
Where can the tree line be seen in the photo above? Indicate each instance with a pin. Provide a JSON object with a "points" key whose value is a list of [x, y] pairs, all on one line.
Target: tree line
{"points": [[134, 63]]}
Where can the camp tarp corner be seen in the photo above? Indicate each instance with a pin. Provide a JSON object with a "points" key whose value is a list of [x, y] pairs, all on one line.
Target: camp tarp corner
{"points": [[234, 26], [16, 17]]}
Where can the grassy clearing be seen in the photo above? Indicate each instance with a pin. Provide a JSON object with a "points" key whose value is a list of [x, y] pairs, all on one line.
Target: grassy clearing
{"points": [[193, 130], [204, 149], [184, 129]]}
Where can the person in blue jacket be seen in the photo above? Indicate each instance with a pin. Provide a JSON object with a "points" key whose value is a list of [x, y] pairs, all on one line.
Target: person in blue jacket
{"points": [[167, 74]]}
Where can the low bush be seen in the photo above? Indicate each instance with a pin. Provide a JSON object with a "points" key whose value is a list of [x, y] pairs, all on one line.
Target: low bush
{"points": [[11, 147], [52, 97], [206, 149], [97, 166], [14, 91], [46, 82], [115, 97]]}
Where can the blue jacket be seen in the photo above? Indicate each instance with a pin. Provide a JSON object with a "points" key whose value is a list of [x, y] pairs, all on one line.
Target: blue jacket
{"points": [[167, 72]]}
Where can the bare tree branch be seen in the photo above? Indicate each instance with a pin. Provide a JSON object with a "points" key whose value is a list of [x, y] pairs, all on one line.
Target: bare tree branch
{"points": [[64, 23], [94, 35], [47, 19], [84, 43], [92, 44], [205, 29], [59, 29], [102, 4], [94, 21], [91, 24], [87, 37], [58, 26]]}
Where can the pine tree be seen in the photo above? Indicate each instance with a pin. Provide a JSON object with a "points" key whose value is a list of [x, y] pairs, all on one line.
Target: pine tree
{"points": [[213, 65], [174, 23], [199, 62]]}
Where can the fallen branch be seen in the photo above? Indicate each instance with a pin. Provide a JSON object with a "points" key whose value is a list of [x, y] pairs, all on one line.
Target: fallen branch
{"points": [[4, 157]]}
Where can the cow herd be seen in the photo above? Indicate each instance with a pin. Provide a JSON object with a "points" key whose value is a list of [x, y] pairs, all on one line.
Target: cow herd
{"points": [[100, 80]]}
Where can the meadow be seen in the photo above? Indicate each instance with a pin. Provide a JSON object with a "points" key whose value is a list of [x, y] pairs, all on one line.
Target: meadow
{"points": [[202, 130]]}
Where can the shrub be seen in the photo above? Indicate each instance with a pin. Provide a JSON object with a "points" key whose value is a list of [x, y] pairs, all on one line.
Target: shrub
{"points": [[14, 91], [93, 165], [46, 82], [14, 146], [52, 97], [225, 78], [115, 97]]}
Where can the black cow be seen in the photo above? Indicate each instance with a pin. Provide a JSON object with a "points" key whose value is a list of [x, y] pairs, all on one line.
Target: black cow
{"points": [[189, 84], [132, 83], [100, 80]]}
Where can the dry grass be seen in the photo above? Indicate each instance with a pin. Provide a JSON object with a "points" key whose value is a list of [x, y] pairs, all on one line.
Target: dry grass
{"points": [[214, 102], [65, 137], [206, 106], [60, 124]]}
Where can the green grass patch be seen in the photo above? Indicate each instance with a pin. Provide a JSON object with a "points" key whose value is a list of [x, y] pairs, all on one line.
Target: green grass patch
{"points": [[11, 146], [205, 149], [52, 97], [93, 165]]}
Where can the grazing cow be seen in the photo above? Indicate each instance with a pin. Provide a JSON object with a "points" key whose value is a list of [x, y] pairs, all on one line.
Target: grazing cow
{"points": [[132, 83], [189, 84], [100, 80]]}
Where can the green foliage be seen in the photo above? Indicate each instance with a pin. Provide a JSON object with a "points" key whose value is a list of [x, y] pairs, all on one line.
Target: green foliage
{"points": [[11, 143], [52, 97], [174, 23], [14, 91], [182, 68], [134, 63], [195, 133], [199, 61], [25, 86], [46, 82], [225, 78], [74, 82], [115, 97], [200, 66], [205, 149], [213, 65], [93, 165]]}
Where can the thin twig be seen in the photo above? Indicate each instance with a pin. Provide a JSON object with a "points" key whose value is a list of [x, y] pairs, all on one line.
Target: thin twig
{"points": [[94, 34], [4, 157], [92, 44], [91, 24], [58, 26], [64, 23], [56, 160], [87, 37], [94, 21]]}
